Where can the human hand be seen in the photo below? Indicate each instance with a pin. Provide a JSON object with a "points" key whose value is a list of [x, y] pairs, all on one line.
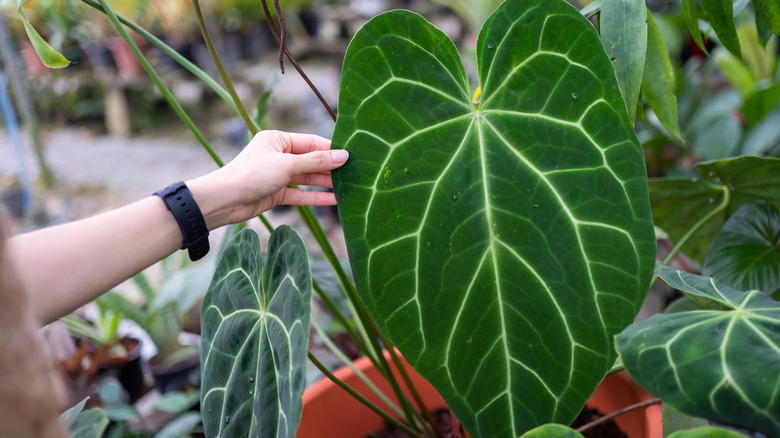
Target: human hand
{"points": [[256, 180]]}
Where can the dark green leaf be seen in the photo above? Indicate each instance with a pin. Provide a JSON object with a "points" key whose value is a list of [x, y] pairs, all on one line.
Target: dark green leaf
{"points": [[255, 337], [50, 57], [720, 365], [770, 12], [707, 432], [746, 252], [623, 28], [476, 235], [720, 14], [692, 20], [658, 82], [759, 103], [552, 431], [679, 203], [763, 30], [674, 421]]}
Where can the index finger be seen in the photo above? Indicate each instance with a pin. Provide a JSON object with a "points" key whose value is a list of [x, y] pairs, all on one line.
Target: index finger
{"points": [[305, 143]]}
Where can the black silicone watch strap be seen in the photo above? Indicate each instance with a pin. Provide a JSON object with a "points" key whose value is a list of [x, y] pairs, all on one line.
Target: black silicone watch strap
{"points": [[179, 200]]}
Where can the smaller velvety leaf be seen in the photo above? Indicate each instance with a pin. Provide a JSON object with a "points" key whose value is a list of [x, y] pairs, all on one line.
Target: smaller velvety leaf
{"points": [[50, 57], [691, 19], [769, 10], [658, 82], [552, 431], [254, 338], [623, 27], [707, 432], [715, 364], [720, 14], [746, 252]]}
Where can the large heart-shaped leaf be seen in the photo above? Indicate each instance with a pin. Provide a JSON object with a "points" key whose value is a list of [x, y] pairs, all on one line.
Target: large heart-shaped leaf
{"points": [[679, 203], [499, 245], [746, 252], [721, 365], [255, 338]]}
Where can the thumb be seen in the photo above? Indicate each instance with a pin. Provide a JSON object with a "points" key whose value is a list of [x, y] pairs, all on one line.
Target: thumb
{"points": [[320, 161]]}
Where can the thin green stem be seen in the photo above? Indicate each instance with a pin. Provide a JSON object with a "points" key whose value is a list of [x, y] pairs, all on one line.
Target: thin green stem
{"points": [[160, 85], [346, 361], [176, 56], [362, 314], [618, 367], [696, 227], [389, 418], [253, 128], [341, 319], [412, 389]]}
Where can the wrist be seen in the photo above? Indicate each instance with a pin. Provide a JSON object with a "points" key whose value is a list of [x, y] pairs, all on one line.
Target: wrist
{"points": [[215, 199]]}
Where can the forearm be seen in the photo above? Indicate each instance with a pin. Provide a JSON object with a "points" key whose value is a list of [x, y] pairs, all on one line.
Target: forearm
{"points": [[66, 266]]}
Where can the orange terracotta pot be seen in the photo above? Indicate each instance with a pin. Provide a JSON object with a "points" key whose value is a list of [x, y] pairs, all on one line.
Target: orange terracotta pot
{"points": [[329, 412]]}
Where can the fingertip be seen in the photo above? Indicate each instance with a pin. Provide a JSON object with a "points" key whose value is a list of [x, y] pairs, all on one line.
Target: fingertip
{"points": [[340, 156]]}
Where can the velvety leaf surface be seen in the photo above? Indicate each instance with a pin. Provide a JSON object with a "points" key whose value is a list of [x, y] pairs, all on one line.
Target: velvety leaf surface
{"points": [[716, 364], [499, 247], [746, 252], [255, 337], [623, 27], [658, 82], [707, 432], [720, 14], [675, 421], [679, 203]]}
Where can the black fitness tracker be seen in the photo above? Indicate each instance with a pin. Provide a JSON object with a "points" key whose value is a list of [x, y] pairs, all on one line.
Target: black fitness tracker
{"points": [[179, 201]]}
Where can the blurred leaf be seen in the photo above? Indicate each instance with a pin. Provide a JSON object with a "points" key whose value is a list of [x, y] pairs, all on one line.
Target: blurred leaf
{"points": [[177, 401], [85, 424], [746, 252], [180, 426], [50, 57], [764, 33], [679, 203], [658, 81], [761, 61], [707, 432], [185, 287], [110, 391], [623, 28], [121, 413], [769, 10], [691, 19], [674, 420], [736, 71], [763, 137], [759, 103], [720, 140], [715, 364], [720, 14], [552, 431]]}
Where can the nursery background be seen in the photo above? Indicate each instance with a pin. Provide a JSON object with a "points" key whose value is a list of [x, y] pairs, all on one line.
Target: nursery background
{"points": [[99, 133]]}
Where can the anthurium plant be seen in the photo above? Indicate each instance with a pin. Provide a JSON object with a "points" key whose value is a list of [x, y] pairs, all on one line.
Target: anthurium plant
{"points": [[500, 232]]}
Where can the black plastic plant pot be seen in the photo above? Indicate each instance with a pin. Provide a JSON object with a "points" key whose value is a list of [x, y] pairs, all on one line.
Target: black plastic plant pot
{"points": [[130, 373], [169, 378]]}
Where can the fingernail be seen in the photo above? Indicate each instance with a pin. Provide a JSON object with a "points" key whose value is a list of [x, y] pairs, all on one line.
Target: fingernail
{"points": [[339, 155]]}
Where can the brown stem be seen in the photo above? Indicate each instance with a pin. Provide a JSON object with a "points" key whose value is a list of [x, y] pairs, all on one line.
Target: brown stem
{"points": [[283, 40], [608, 417], [294, 62]]}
